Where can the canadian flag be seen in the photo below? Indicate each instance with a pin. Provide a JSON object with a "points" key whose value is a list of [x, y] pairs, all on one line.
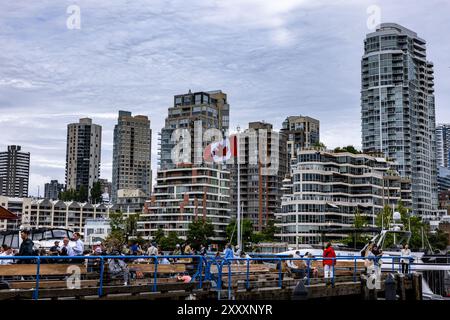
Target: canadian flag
{"points": [[221, 151]]}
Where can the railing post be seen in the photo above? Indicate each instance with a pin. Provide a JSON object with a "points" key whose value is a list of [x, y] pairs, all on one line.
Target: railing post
{"points": [[393, 260], [411, 262], [38, 269], [229, 281], [280, 274], [155, 276], [208, 275], [308, 279], [102, 270], [334, 261], [247, 285], [219, 281], [354, 271], [200, 270]]}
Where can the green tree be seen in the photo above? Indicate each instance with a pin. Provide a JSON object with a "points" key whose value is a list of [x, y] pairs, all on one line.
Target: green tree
{"points": [[169, 242], [350, 149], [116, 238], [247, 231], [131, 224], [357, 239], [82, 194], [68, 195], [419, 230], [439, 240], [200, 232], [269, 231], [384, 217], [121, 229], [319, 146], [159, 235], [96, 193], [117, 221]]}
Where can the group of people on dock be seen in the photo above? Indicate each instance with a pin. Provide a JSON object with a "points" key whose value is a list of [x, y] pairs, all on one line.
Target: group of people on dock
{"points": [[27, 249], [300, 264]]}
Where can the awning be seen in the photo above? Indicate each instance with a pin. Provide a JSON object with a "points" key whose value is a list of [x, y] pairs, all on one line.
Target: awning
{"points": [[332, 205], [5, 214]]}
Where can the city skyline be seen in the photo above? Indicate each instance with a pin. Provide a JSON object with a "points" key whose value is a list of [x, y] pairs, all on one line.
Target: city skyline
{"points": [[291, 61]]}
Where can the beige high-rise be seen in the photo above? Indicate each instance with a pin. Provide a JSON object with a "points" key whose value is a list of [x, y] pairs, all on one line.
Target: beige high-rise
{"points": [[132, 154], [83, 154]]}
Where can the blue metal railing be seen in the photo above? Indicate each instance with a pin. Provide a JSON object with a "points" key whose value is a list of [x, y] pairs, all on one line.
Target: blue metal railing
{"points": [[279, 260], [38, 261], [203, 269]]}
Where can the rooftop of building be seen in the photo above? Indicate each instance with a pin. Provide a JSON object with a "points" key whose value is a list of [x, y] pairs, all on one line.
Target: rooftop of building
{"points": [[128, 114], [388, 27], [260, 125]]}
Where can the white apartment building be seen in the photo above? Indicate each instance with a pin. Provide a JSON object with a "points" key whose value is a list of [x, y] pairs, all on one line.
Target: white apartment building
{"points": [[184, 194], [37, 213], [328, 188]]}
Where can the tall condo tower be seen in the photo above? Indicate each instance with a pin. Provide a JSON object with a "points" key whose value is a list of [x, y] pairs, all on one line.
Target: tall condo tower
{"points": [[83, 154], [398, 110], [132, 154]]}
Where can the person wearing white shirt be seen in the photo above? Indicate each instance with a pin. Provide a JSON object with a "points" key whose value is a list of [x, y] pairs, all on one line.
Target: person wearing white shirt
{"points": [[79, 245], [7, 253], [66, 249], [152, 250], [406, 255]]}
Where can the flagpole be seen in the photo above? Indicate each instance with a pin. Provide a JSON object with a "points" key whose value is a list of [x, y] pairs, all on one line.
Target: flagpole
{"points": [[238, 218]]}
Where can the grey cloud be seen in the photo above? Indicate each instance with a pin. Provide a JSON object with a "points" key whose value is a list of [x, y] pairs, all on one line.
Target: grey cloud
{"points": [[273, 58]]}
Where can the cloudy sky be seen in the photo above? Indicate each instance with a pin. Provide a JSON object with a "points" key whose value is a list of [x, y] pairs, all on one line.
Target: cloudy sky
{"points": [[273, 59]]}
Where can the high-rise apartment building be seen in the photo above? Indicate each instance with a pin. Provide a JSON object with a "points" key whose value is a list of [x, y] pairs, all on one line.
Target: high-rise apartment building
{"points": [[443, 145], [190, 189], [444, 179], [185, 194], [14, 172], [52, 189], [132, 154], [398, 111], [83, 154], [327, 189], [195, 112], [263, 166]]}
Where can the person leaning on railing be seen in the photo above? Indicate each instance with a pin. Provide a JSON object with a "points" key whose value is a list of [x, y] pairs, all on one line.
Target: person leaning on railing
{"points": [[328, 263], [378, 253], [369, 261], [297, 266], [406, 256], [118, 268]]}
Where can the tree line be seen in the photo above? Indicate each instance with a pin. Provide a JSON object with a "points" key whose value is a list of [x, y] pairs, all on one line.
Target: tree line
{"points": [[82, 194]]}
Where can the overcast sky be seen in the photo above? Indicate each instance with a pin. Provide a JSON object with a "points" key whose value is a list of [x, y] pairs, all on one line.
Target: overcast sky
{"points": [[273, 59]]}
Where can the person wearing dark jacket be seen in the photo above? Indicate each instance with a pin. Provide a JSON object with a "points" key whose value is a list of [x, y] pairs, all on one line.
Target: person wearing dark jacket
{"points": [[26, 247]]}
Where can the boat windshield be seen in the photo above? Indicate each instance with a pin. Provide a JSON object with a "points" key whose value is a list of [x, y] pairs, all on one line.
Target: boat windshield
{"points": [[393, 240]]}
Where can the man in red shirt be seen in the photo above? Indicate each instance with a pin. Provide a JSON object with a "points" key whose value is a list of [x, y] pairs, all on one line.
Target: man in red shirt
{"points": [[328, 263]]}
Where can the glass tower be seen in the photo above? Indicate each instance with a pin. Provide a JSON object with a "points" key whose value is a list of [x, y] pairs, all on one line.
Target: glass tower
{"points": [[398, 110]]}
